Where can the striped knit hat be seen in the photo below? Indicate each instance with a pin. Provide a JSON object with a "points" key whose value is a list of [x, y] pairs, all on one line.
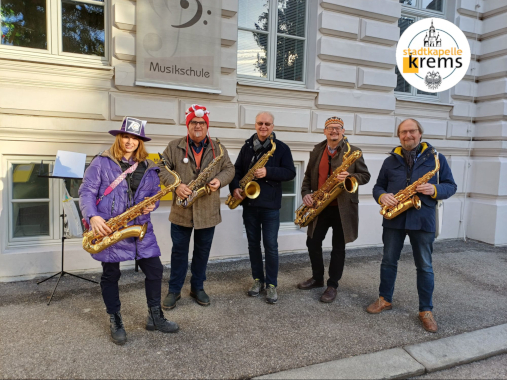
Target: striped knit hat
{"points": [[334, 120]]}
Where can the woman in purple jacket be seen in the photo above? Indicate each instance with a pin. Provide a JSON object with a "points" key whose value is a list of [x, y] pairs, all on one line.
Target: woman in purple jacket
{"points": [[126, 154]]}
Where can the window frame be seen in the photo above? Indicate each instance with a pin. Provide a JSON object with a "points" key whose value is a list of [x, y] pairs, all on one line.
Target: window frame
{"points": [[297, 185], [273, 35], [54, 51], [418, 13]]}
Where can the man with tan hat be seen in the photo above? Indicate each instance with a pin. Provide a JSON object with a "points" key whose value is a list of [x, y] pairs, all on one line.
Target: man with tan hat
{"points": [[189, 156]]}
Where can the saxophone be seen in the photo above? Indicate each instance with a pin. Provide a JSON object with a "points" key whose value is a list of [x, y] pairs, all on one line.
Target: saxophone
{"points": [[95, 243], [407, 197], [251, 188], [199, 186], [329, 190]]}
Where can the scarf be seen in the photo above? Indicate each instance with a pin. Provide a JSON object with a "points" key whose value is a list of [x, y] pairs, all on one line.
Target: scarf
{"points": [[410, 156], [259, 146]]}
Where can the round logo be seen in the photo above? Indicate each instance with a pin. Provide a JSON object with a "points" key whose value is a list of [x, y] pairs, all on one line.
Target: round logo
{"points": [[433, 55]]}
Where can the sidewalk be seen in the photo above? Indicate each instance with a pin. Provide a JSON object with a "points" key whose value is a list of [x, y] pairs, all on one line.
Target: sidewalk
{"points": [[240, 337]]}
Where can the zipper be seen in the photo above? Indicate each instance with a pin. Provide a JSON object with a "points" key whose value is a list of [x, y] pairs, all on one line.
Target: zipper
{"points": [[112, 206]]}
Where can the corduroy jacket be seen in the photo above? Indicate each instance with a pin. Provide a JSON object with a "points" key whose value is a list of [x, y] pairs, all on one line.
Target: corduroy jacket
{"points": [[347, 202], [205, 212]]}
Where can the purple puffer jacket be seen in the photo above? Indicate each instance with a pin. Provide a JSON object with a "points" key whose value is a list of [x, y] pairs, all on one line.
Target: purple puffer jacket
{"points": [[102, 171]]}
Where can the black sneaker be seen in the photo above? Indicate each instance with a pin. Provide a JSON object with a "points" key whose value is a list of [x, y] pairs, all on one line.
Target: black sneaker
{"points": [[170, 300], [200, 296], [256, 288], [157, 321], [118, 334]]}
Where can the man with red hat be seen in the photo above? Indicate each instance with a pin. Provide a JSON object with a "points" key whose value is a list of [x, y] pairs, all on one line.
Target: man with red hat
{"points": [[188, 156]]}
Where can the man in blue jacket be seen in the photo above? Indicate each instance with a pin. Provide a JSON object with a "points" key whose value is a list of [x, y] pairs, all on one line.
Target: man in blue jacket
{"points": [[262, 214], [405, 165]]}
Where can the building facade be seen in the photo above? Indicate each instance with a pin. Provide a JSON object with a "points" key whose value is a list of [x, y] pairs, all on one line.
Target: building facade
{"points": [[67, 74]]}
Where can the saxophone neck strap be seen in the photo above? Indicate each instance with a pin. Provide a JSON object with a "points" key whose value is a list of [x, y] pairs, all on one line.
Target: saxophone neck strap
{"points": [[117, 181]]}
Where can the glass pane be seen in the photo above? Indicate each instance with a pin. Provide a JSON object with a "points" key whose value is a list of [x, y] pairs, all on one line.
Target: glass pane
{"points": [[436, 5], [288, 209], [401, 84], [290, 57], [253, 14], [23, 23], [404, 23], [419, 92], [252, 54], [408, 2], [292, 17], [72, 185], [30, 219], [83, 28], [289, 187], [80, 215], [26, 184]]}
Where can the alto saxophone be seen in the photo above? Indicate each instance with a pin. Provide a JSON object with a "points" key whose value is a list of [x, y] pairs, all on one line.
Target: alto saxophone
{"points": [[329, 190], [407, 197], [199, 186], [95, 243], [251, 188]]}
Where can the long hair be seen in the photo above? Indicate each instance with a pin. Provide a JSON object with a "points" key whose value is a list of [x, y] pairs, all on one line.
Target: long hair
{"points": [[139, 155]]}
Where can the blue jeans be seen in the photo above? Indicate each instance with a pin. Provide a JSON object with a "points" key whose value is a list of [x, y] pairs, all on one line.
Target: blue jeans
{"points": [[267, 221], [422, 248], [179, 256]]}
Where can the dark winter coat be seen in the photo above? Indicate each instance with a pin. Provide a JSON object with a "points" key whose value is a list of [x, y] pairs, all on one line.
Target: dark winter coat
{"points": [[347, 203], [279, 168], [393, 178], [103, 170]]}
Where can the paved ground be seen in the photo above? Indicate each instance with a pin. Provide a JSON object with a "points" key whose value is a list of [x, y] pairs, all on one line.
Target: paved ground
{"points": [[492, 368], [241, 337]]}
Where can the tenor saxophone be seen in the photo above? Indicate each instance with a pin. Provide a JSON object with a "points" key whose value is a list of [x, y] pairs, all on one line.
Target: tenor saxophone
{"points": [[250, 188], [407, 197], [199, 186], [120, 230], [329, 190]]}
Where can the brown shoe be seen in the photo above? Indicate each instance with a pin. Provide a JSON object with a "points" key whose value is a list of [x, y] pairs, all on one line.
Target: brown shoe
{"points": [[378, 306], [329, 295], [428, 321], [310, 284]]}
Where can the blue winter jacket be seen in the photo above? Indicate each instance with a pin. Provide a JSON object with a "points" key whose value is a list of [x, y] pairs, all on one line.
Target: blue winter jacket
{"points": [[103, 170], [279, 168], [393, 178]]}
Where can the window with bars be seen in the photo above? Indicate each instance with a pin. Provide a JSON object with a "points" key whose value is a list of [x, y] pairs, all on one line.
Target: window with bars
{"points": [[272, 40], [55, 27], [35, 203], [412, 11]]}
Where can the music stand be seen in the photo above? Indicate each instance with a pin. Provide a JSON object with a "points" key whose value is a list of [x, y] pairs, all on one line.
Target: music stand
{"points": [[71, 175]]}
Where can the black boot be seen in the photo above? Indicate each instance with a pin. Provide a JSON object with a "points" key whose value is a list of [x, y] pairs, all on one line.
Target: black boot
{"points": [[157, 321], [118, 334]]}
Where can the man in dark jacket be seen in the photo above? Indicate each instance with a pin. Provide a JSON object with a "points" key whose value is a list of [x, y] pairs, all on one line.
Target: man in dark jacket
{"points": [[405, 165], [262, 214], [341, 214]]}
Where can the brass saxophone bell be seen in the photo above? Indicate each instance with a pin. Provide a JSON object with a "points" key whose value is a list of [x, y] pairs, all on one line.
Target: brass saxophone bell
{"points": [[252, 190]]}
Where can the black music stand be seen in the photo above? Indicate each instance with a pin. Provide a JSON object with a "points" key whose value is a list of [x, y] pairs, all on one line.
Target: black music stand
{"points": [[62, 215]]}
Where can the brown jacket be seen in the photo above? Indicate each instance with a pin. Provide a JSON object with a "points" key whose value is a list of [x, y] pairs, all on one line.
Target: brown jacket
{"points": [[205, 212], [347, 203]]}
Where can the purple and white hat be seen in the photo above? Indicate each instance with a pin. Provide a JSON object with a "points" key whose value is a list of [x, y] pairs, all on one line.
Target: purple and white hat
{"points": [[133, 127]]}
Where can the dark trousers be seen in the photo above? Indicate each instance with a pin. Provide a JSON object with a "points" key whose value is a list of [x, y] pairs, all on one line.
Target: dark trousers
{"points": [[263, 221], [422, 248], [330, 217], [152, 268], [179, 256]]}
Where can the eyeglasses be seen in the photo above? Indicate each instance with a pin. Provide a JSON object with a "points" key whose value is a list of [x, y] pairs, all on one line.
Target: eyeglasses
{"points": [[201, 123], [261, 123], [336, 129], [412, 132]]}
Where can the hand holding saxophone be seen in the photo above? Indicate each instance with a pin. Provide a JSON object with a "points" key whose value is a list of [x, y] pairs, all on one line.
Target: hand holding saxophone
{"points": [[183, 191], [214, 185], [260, 173], [426, 189], [388, 199], [99, 226], [238, 194]]}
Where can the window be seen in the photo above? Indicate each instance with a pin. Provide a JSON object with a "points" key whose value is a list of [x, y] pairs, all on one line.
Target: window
{"points": [[35, 203], [290, 191], [56, 27], [272, 40], [412, 11]]}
